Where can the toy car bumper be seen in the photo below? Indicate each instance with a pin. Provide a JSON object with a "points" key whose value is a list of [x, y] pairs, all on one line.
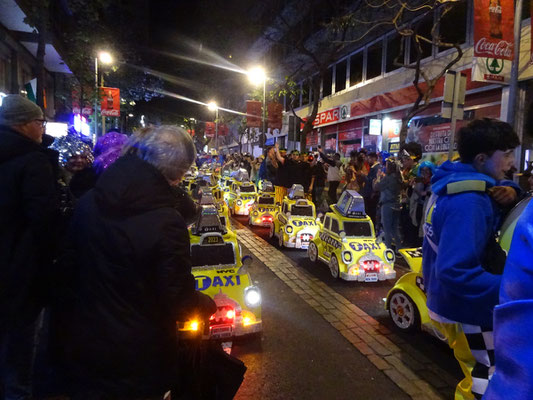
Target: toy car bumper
{"points": [[262, 220], [361, 275], [300, 240], [243, 209]]}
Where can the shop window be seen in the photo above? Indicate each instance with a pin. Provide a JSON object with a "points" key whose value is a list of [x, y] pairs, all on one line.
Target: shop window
{"points": [[394, 43], [340, 76], [452, 27], [374, 59], [326, 83], [356, 68], [423, 28]]}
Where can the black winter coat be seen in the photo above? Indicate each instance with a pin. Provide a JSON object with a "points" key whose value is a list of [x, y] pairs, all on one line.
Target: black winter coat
{"points": [[28, 212], [132, 280]]}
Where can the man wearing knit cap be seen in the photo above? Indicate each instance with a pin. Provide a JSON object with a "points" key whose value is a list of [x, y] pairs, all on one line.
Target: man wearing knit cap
{"points": [[28, 210]]}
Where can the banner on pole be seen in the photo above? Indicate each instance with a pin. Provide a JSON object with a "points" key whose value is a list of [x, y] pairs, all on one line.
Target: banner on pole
{"points": [[210, 129], [275, 115], [254, 111], [492, 70], [110, 102], [85, 108], [493, 29]]}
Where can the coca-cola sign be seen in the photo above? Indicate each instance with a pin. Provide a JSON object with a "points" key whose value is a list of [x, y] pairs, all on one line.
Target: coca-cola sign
{"points": [[493, 29]]}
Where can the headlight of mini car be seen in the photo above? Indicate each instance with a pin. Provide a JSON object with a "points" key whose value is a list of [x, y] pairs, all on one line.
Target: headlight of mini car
{"points": [[239, 202], [389, 256], [347, 257], [252, 296], [289, 229], [255, 213]]}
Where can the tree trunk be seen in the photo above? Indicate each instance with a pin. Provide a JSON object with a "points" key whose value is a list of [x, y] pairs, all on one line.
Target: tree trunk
{"points": [[39, 69], [308, 126]]}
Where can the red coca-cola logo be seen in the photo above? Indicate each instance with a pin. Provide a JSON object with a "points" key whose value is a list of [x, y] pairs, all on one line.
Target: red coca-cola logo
{"points": [[500, 49]]}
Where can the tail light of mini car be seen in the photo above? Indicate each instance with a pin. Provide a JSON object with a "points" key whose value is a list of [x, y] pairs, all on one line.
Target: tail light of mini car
{"points": [[224, 315], [252, 296], [266, 218], [248, 318]]}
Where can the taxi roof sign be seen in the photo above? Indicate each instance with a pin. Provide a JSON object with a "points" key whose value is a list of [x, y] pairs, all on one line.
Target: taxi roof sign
{"points": [[351, 204], [268, 187], [241, 175], [296, 192], [208, 221]]}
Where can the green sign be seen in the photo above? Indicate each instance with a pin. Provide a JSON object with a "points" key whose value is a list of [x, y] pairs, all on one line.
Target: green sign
{"points": [[494, 65]]}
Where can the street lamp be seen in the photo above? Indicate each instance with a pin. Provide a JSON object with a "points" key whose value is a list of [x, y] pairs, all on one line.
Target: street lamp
{"points": [[214, 107], [105, 58], [257, 76]]}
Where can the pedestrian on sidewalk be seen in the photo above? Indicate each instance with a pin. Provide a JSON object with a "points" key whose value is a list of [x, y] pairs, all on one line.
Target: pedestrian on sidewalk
{"points": [[333, 174], [461, 264], [29, 214], [370, 195], [389, 185], [128, 275]]}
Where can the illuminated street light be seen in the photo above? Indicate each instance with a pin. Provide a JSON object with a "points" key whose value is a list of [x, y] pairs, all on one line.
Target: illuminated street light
{"points": [[257, 76], [212, 106], [105, 57]]}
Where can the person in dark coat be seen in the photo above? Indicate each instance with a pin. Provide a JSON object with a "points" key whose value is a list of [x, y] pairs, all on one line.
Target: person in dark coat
{"points": [[28, 212], [131, 274]]}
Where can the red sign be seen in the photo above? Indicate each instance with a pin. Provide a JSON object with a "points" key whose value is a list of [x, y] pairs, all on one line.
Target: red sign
{"points": [[275, 113], [493, 29], [311, 139], [253, 111], [350, 135], [326, 117], [110, 102], [223, 130], [76, 107], [210, 129]]}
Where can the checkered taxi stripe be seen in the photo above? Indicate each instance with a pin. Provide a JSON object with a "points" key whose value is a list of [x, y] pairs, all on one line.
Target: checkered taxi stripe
{"points": [[414, 373]]}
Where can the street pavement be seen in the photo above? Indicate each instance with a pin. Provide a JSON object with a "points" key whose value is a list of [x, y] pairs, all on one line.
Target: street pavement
{"points": [[326, 338]]}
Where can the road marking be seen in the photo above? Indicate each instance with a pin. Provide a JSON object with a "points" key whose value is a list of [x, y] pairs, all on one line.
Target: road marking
{"points": [[411, 371]]}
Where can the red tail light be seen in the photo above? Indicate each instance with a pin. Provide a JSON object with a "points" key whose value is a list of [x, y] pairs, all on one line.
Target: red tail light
{"points": [[371, 265]]}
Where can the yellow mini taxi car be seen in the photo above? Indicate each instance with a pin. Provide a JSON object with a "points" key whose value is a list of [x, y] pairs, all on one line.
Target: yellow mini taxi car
{"points": [[220, 273], [264, 210], [347, 243], [214, 198], [225, 185], [242, 197], [295, 224]]}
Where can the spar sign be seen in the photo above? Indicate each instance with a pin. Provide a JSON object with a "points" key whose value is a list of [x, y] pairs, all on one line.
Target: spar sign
{"points": [[327, 117]]}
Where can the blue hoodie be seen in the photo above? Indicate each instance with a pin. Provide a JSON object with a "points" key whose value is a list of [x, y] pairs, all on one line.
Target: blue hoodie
{"points": [[513, 322], [462, 222]]}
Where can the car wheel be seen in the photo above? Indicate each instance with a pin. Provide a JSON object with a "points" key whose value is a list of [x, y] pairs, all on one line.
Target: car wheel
{"points": [[280, 241], [271, 232], [403, 311], [334, 267], [312, 252]]}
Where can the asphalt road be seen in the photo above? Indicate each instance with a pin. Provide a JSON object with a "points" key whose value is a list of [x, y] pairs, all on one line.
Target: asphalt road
{"points": [[300, 355], [370, 298]]}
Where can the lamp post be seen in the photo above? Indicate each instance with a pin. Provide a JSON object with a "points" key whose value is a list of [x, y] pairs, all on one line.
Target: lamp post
{"points": [[213, 107], [105, 58], [257, 76]]}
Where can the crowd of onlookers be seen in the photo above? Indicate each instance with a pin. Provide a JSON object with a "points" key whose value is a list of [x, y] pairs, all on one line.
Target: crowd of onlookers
{"points": [[394, 189]]}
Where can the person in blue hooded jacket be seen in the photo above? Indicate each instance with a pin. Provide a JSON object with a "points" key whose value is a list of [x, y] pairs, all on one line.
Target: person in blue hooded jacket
{"points": [[461, 222]]}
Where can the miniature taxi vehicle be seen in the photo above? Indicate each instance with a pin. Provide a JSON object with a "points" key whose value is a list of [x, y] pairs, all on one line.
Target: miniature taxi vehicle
{"points": [[214, 198], [241, 197], [225, 185], [347, 243], [264, 210], [219, 272], [295, 224]]}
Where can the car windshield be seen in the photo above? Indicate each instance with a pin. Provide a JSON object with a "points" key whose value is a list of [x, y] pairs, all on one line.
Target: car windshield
{"points": [[228, 183], [302, 211], [247, 189], [212, 255], [266, 200], [359, 229]]}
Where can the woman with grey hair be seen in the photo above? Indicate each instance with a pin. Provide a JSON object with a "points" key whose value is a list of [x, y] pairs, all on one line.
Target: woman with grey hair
{"points": [[132, 276]]}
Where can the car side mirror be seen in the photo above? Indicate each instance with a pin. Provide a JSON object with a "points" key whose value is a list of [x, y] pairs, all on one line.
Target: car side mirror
{"points": [[246, 262]]}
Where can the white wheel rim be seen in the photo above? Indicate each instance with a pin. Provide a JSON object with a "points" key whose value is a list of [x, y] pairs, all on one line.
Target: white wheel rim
{"points": [[312, 251], [402, 311], [334, 267]]}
